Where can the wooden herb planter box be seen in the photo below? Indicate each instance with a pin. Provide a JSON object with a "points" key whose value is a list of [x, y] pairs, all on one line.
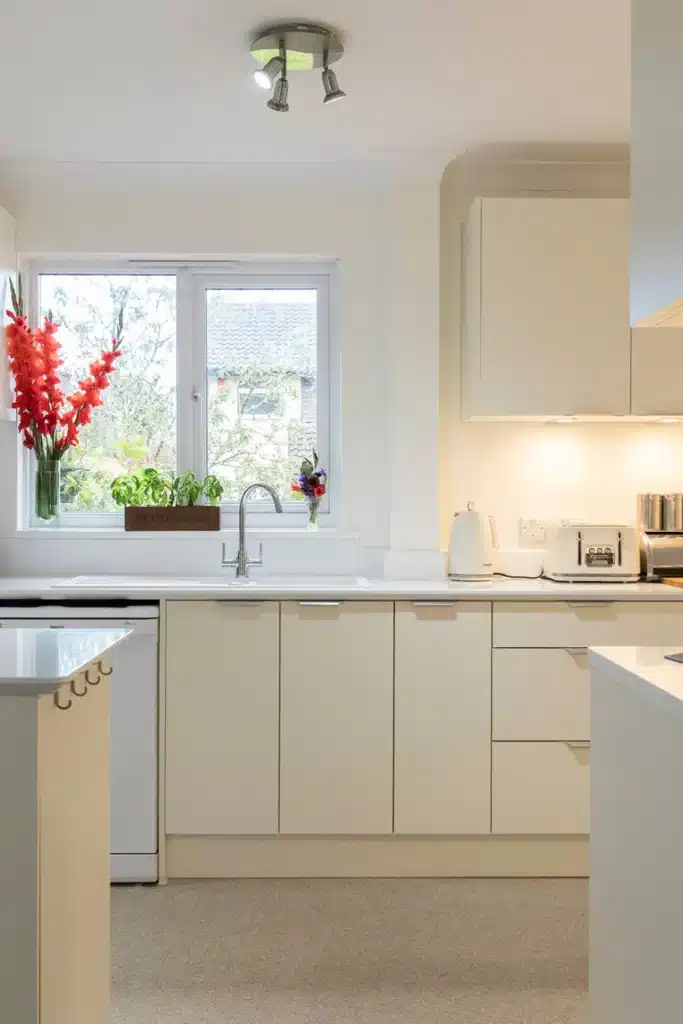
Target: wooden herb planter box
{"points": [[178, 517]]}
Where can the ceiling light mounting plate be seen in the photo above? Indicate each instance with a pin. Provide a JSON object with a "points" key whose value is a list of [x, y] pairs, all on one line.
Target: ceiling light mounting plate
{"points": [[307, 45]]}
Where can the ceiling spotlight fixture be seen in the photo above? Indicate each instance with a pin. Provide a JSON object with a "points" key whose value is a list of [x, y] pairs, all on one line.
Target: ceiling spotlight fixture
{"points": [[297, 46], [330, 83], [265, 76]]}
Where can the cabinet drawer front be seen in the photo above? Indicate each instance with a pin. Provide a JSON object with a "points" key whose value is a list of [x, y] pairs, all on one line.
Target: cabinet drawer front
{"points": [[540, 789], [587, 624], [541, 694]]}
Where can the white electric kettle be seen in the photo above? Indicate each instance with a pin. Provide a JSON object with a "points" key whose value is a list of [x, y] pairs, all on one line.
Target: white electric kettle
{"points": [[473, 541]]}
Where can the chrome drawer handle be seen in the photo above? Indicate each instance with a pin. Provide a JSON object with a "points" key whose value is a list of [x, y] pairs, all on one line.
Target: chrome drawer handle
{"points": [[576, 745], [319, 604], [433, 604], [240, 604], [590, 604]]}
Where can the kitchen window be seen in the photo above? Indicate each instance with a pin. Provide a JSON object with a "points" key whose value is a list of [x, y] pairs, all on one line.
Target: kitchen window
{"points": [[224, 371]]}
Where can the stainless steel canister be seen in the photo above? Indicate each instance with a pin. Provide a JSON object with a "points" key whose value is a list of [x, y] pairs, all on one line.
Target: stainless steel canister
{"points": [[650, 512], [672, 512]]}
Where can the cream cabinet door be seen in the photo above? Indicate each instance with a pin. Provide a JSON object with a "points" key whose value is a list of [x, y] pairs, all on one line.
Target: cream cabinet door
{"points": [[657, 366], [547, 308], [442, 758], [541, 788], [336, 718], [73, 826], [222, 694], [541, 694]]}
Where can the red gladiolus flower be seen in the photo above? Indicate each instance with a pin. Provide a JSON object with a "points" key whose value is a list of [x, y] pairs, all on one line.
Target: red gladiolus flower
{"points": [[319, 491], [47, 421]]}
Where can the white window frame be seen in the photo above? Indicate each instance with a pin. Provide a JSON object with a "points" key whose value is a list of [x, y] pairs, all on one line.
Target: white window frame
{"points": [[193, 278]]}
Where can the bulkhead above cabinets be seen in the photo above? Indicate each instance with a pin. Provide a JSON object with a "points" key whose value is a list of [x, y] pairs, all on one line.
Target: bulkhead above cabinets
{"points": [[545, 330]]}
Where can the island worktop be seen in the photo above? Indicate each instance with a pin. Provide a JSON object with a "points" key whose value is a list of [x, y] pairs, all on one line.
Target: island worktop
{"points": [[39, 661], [636, 903], [54, 841]]}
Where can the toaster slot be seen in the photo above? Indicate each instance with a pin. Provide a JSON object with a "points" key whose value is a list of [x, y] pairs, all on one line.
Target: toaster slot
{"points": [[579, 551]]}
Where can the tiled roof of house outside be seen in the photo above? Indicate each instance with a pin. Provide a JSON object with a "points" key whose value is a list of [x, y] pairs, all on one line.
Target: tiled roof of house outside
{"points": [[274, 335]]}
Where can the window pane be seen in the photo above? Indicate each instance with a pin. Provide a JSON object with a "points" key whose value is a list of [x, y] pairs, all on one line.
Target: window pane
{"points": [[136, 425], [261, 384]]}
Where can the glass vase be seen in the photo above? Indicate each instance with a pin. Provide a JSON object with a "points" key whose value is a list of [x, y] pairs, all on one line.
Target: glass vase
{"points": [[313, 509], [47, 481]]}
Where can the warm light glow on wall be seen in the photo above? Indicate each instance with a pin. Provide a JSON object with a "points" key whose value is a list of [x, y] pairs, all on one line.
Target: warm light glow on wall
{"points": [[654, 459]]}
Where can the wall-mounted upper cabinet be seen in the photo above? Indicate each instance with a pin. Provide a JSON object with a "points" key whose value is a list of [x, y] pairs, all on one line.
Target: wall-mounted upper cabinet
{"points": [[546, 308], [657, 362]]}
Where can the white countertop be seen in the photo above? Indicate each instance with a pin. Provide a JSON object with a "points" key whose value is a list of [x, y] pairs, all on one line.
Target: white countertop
{"points": [[155, 588], [646, 671], [37, 661]]}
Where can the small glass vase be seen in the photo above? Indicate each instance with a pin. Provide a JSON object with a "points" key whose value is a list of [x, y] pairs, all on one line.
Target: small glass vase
{"points": [[313, 509], [47, 481]]}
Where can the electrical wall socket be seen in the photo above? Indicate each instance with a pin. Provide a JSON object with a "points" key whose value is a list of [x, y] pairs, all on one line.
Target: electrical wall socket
{"points": [[531, 533]]}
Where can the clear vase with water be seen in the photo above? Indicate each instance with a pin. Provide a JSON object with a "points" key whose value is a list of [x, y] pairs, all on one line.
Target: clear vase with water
{"points": [[46, 484]]}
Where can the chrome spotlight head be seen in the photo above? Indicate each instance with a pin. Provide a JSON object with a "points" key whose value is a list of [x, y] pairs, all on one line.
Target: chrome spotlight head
{"points": [[278, 100], [331, 87], [265, 76]]}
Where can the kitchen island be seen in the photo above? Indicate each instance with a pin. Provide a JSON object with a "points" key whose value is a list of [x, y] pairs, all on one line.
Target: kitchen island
{"points": [[54, 838], [636, 903]]}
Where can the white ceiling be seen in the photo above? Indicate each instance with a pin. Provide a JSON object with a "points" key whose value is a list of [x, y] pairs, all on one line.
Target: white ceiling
{"points": [[169, 80]]}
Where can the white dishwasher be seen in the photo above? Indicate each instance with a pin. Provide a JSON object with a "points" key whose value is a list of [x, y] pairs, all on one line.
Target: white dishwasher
{"points": [[134, 721]]}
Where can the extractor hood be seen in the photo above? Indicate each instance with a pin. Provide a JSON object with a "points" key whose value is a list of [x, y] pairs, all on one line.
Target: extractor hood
{"points": [[656, 163]]}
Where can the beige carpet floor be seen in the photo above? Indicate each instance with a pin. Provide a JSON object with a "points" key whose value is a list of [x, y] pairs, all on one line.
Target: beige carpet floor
{"points": [[368, 952]]}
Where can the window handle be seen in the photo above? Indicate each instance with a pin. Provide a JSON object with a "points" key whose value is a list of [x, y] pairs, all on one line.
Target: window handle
{"points": [[196, 395]]}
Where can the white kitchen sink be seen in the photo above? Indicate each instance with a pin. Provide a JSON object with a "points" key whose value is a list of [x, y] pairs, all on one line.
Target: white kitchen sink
{"points": [[131, 583]]}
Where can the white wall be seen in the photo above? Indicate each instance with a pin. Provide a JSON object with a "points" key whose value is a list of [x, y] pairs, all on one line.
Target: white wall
{"points": [[590, 471], [381, 224], [399, 444]]}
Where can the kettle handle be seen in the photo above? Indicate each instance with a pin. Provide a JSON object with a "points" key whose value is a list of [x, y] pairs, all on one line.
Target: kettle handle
{"points": [[494, 532]]}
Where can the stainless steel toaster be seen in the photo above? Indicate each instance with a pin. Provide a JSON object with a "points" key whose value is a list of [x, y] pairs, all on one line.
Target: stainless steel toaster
{"points": [[662, 555], [579, 554]]}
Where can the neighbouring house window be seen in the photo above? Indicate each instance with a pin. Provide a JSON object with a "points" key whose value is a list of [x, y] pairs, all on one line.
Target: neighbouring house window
{"points": [[261, 353], [223, 372]]}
